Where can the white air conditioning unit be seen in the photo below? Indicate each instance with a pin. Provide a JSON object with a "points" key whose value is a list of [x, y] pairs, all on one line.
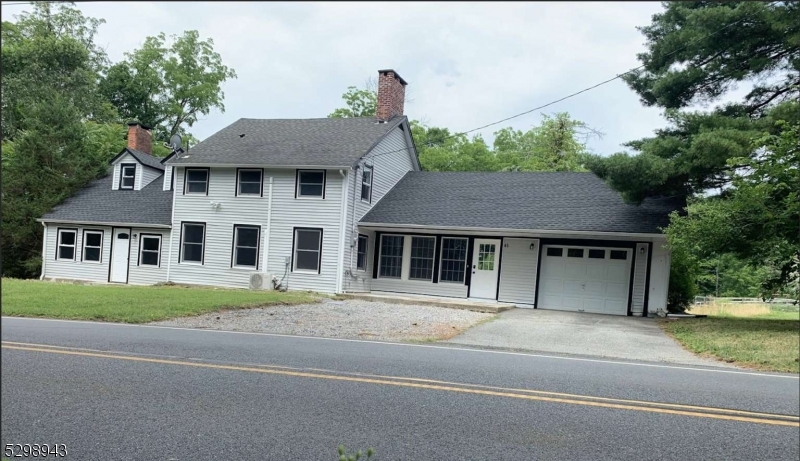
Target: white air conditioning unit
{"points": [[260, 281]]}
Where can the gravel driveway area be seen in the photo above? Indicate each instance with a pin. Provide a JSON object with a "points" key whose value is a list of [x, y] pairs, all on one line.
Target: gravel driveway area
{"points": [[351, 318]]}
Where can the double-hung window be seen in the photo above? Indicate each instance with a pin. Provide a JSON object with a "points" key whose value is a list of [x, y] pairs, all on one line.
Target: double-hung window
{"points": [[422, 252], [66, 244], [245, 246], [150, 250], [391, 256], [310, 183], [127, 176], [248, 182], [92, 245], [454, 259], [307, 250], [361, 260], [366, 184], [193, 242], [196, 181]]}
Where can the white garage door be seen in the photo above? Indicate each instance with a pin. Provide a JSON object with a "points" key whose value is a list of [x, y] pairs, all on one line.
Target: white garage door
{"points": [[585, 279]]}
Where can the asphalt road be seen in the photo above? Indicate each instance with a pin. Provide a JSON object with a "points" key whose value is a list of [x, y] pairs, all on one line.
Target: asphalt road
{"points": [[112, 391]]}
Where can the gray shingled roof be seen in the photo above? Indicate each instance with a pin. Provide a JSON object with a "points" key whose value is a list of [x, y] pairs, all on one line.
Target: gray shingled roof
{"points": [[542, 201], [333, 142], [145, 159], [97, 203]]}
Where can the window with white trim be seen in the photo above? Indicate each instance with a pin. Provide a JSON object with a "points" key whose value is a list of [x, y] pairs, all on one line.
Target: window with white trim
{"points": [[310, 183], [196, 181], [307, 250], [422, 252], [127, 176], [66, 244], [150, 250], [454, 259], [92, 245], [366, 184], [245, 246], [193, 236], [391, 256], [361, 260], [249, 182]]}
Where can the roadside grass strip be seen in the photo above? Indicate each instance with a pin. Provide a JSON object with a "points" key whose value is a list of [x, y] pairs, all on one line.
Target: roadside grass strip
{"points": [[419, 383]]}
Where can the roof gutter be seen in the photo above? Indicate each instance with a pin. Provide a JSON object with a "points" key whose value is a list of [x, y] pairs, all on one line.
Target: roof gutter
{"points": [[103, 223], [260, 165], [525, 232]]}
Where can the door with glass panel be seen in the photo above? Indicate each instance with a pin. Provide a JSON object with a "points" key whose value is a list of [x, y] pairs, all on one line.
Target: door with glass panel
{"points": [[485, 266]]}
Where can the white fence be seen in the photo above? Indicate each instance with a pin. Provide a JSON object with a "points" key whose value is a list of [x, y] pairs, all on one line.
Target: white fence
{"points": [[711, 299]]}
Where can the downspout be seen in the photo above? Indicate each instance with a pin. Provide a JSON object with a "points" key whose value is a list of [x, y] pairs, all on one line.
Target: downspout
{"points": [[44, 251], [269, 227], [171, 223], [353, 228], [342, 225]]}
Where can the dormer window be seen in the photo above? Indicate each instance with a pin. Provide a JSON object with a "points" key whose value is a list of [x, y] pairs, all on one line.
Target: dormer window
{"points": [[127, 176]]}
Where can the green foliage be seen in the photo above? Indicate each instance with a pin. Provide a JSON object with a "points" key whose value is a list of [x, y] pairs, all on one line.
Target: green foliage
{"points": [[682, 275], [697, 51], [360, 103], [728, 276], [555, 145], [167, 86], [757, 219], [55, 128], [344, 456]]}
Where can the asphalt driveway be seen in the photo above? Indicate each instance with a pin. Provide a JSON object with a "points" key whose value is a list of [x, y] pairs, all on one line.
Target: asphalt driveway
{"points": [[573, 333]]}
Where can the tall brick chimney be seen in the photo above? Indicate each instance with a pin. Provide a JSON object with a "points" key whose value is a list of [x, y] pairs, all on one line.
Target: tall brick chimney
{"points": [[139, 138], [391, 94]]}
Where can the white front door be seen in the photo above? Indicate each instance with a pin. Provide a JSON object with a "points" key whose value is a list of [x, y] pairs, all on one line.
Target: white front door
{"points": [[119, 255], [485, 265]]}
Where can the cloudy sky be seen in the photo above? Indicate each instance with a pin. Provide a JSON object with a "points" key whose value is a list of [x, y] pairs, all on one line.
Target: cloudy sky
{"points": [[467, 64]]}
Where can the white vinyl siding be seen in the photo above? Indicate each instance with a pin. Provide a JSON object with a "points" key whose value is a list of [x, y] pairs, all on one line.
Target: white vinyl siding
{"points": [[659, 278], [76, 269], [145, 175], [287, 213], [391, 160], [639, 278], [520, 258], [168, 177], [139, 274]]}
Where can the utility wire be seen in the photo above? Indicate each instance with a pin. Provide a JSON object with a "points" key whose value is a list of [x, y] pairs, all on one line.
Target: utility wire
{"points": [[585, 89]]}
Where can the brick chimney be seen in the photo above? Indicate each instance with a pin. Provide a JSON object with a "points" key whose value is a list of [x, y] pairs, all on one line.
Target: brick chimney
{"points": [[139, 138], [391, 94]]}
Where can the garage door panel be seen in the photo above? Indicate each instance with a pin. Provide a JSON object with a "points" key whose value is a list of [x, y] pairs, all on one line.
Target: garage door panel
{"points": [[584, 284], [572, 302], [573, 270], [617, 272], [617, 290]]}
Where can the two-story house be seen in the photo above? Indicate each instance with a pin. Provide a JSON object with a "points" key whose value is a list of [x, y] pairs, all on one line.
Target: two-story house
{"points": [[340, 205]]}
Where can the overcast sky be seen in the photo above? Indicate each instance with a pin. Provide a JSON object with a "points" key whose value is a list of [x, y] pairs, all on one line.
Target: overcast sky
{"points": [[467, 64]]}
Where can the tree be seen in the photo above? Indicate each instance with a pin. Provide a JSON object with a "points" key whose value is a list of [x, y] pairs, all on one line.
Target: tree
{"points": [[56, 130], [360, 103], [758, 218], [698, 51], [167, 86], [552, 146]]}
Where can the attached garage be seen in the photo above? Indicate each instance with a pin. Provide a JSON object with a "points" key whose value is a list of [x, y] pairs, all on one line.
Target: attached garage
{"points": [[585, 279]]}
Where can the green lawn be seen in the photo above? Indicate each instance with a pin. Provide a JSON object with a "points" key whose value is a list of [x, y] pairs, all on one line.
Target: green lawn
{"points": [[130, 304], [766, 342]]}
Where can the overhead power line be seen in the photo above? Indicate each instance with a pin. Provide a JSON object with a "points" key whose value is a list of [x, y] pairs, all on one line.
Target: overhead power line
{"points": [[585, 89]]}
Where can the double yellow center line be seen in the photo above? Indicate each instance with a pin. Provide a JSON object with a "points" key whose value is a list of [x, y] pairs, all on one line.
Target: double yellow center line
{"points": [[464, 388]]}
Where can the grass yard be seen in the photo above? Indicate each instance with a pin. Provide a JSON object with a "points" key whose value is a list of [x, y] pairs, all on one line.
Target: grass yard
{"points": [[759, 336], [129, 304]]}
